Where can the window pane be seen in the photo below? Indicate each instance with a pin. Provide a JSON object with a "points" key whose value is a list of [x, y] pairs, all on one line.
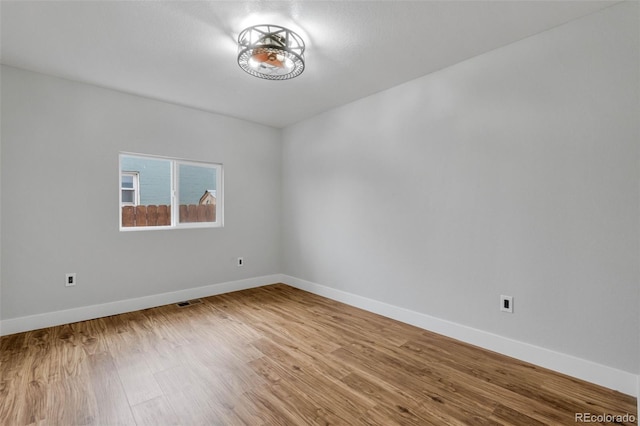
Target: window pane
{"points": [[127, 196], [127, 181], [196, 193], [154, 179]]}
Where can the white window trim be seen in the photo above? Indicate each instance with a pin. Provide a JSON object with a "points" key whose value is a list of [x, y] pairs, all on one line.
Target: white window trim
{"points": [[175, 207]]}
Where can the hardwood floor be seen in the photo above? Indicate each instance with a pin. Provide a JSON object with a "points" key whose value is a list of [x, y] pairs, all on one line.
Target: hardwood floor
{"points": [[276, 355]]}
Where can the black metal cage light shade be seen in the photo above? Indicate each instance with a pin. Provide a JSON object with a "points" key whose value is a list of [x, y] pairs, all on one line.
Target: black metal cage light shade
{"points": [[271, 52]]}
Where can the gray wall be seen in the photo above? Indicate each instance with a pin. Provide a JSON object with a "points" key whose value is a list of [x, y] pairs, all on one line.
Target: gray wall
{"points": [[515, 172], [60, 145]]}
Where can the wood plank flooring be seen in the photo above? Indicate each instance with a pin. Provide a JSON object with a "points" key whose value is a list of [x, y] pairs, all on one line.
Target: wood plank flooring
{"points": [[276, 355]]}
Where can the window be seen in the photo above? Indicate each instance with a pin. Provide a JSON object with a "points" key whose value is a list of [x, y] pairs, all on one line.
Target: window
{"points": [[167, 193], [129, 188]]}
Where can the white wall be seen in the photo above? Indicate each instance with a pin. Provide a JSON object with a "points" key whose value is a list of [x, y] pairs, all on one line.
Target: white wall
{"points": [[60, 144], [515, 172]]}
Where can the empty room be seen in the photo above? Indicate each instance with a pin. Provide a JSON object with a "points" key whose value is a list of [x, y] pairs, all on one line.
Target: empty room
{"points": [[319, 212]]}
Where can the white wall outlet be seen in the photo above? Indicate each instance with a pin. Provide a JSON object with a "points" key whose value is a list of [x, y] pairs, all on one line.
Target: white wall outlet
{"points": [[240, 262], [506, 303], [70, 279]]}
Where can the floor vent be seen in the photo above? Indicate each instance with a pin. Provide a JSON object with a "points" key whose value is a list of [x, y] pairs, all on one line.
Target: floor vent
{"points": [[188, 303]]}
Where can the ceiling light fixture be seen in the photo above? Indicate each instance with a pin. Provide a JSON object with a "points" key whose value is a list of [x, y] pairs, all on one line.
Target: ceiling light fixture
{"points": [[271, 52]]}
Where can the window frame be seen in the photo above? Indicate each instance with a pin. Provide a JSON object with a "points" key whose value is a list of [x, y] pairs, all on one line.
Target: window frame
{"points": [[174, 191]]}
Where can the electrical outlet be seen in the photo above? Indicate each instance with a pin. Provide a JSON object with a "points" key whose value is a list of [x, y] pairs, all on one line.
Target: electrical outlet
{"points": [[240, 262], [70, 279], [506, 303]]}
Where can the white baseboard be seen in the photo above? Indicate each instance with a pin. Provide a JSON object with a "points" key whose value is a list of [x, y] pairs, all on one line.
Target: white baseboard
{"points": [[49, 319], [603, 375]]}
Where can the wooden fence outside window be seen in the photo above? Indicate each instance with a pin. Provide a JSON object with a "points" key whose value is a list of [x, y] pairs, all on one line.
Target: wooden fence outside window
{"points": [[161, 215]]}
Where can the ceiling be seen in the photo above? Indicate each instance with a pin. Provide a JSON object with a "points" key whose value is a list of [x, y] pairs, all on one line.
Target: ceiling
{"points": [[184, 52]]}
